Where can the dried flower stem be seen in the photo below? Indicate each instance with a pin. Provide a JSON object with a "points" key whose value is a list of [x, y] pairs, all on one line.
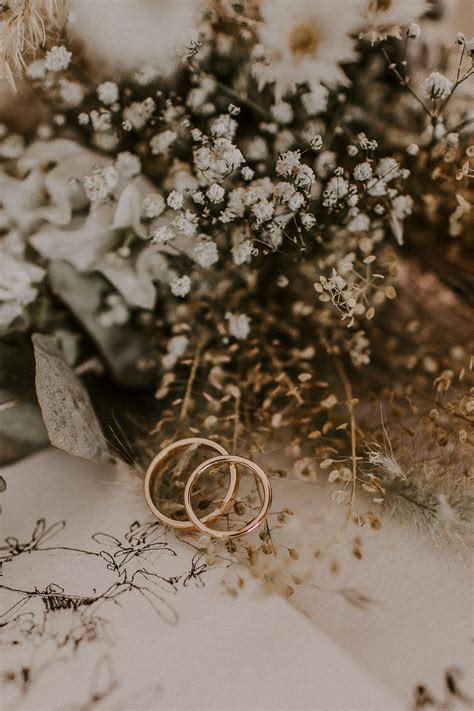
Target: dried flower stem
{"points": [[350, 402], [192, 377], [404, 81]]}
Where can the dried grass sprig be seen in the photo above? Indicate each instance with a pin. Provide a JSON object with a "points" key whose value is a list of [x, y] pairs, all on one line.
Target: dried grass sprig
{"points": [[24, 28], [424, 481]]}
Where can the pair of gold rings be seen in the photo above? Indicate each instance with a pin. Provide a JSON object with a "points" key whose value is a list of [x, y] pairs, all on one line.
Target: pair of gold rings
{"points": [[157, 467]]}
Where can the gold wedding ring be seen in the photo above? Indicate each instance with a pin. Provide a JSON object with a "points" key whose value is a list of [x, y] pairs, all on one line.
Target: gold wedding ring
{"points": [[157, 467], [232, 460]]}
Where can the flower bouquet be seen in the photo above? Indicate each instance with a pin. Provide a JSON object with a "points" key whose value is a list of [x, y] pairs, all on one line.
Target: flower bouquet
{"points": [[262, 234]]}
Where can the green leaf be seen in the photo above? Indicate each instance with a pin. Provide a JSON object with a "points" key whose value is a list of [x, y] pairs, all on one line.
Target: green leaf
{"points": [[67, 409], [123, 347]]}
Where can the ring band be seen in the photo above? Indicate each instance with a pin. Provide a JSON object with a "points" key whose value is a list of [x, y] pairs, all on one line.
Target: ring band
{"points": [[232, 460], [161, 458]]}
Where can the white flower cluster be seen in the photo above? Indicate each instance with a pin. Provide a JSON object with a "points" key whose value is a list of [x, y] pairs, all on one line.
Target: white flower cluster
{"points": [[100, 183], [275, 171], [18, 286], [438, 86]]}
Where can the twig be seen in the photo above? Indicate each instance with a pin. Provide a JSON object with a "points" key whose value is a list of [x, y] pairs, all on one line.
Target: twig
{"points": [[192, 377], [405, 82], [350, 408]]}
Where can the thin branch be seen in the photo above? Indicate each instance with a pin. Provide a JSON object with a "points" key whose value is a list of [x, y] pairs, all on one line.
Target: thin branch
{"points": [[350, 402]]}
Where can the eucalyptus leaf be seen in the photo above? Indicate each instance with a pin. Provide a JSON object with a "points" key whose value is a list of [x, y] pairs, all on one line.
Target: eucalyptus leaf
{"points": [[123, 347], [67, 409], [22, 430]]}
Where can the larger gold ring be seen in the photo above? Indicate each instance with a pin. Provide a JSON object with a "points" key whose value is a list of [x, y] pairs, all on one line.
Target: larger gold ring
{"points": [[159, 461], [231, 459]]}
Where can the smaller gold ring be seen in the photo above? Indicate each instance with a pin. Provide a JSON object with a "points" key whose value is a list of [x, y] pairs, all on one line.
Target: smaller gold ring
{"points": [[232, 460], [162, 456]]}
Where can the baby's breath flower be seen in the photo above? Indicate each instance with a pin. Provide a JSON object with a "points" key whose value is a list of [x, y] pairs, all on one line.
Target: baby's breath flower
{"points": [[128, 164], [100, 183], [108, 92], [359, 223], [13, 146], [316, 142], [362, 171], [325, 163], [36, 69], [376, 187], [388, 169], [287, 163], [413, 149], [197, 135], [242, 252], [470, 47], [198, 197], [316, 100], [305, 177], [413, 30], [153, 205], [215, 193], [162, 235], [365, 143], [437, 86], [283, 191], [138, 113], [402, 206], [57, 58], [17, 287], [282, 112], [101, 120], [256, 149], [175, 200], [263, 210], [308, 220], [71, 92], [186, 223], [180, 285], [226, 151], [161, 142], [205, 252], [247, 173], [336, 189], [296, 202], [223, 126], [220, 159], [44, 132], [239, 325]]}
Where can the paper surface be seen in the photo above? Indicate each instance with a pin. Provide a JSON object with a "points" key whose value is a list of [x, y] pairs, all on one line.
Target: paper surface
{"points": [[410, 621], [101, 608]]}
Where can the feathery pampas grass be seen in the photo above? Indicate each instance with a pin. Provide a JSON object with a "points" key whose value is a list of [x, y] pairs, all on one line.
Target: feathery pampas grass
{"points": [[23, 29]]}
